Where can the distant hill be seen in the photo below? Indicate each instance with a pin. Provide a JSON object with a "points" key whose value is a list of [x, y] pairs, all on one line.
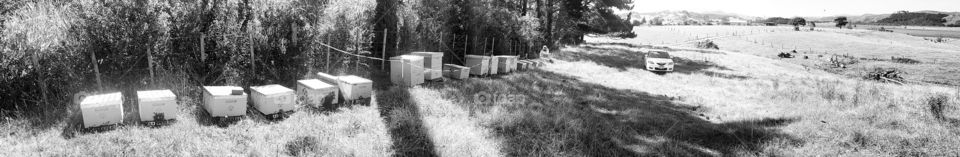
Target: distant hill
{"points": [[952, 17], [692, 18]]}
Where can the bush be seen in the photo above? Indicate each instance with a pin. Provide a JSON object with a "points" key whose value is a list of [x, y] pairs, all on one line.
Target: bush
{"points": [[936, 105], [904, 60], [707, 44]]}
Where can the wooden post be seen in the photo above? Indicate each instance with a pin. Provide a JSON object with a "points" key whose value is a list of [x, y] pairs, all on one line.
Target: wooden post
{"points": [[327, 63], [42, 80], [96, 70], [356, 45], [253, 54], [398, 41], [383, 53], [466, 45], [203, 54], [150, 66]]}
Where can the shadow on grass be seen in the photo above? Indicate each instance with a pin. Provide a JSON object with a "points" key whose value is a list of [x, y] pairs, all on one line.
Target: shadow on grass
{"points": [[564, 116], [637, 46], [624, 59], [409, 134]]}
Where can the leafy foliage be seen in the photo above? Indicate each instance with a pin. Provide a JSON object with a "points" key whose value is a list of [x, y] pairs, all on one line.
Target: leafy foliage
{"points": [[914, 19], [841, 21]]}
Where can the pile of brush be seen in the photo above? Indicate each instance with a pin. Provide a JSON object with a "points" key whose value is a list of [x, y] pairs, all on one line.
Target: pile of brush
{"points": [[885, 75], [707, 44]]}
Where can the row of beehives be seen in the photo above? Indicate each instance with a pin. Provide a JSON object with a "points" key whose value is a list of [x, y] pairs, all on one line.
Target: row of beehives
{"points": [[223, 102], [415, 68]]}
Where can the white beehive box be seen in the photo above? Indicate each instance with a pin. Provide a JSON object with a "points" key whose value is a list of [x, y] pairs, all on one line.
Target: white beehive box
{"points": [[224, 101], [522, 65], [479, 65], [503, 64], [100, 110], [316, 92], [406, 70], [433, 64], [354, 87], [456, 71], [494, 62], [327, 78], [514, 62], [157, 102], [273, 99]]}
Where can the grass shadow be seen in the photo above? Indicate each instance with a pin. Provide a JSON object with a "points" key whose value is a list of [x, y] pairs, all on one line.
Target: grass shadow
{"points": [[561, 115], [624, 59], [405, 124]]}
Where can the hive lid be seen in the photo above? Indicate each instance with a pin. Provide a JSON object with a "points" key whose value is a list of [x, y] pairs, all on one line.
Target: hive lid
{"points": [[155, 95], [354, 79], [222, 90], [411, 57], [314, 84], [271, 89], [477, 56], [429, 54], [102, 100]]}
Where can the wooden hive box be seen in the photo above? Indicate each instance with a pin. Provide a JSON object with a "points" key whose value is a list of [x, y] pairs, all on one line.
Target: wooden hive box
{"points": [[522, 65], [273, 99], [456, 71], [316, 93], [224, 101], [156, 104], [514, 62], [432, 63], [406, 70], [494, 62], [354, 88], [503, 64], [479, 65], [330, 79], [102, 110]]}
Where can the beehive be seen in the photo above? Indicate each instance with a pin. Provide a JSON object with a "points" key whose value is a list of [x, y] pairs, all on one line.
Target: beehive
{"points": [[432, 63], [155, 104], [456, 71], [522, 65], [406, 70], [503, 64], [479, 65], [224, 101], [101, 110], [273, 99], [354, 87], [494, 63], [316, 93], [514, 62], [330, 79]]}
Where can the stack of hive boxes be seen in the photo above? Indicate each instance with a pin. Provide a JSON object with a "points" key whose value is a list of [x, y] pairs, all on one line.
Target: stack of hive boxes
{"points": [[224, 101], [316, 93], [432, 64], [479, 65], [157, 105], [407, 70], [273, 99]]}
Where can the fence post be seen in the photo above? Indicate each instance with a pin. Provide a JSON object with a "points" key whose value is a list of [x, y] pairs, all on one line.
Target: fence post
{"points": [[383, 52], [356, 45], [42, 80], [253, 55], [398, 41], [96, 69], [150, 66], [203, 54], [327, 48]]}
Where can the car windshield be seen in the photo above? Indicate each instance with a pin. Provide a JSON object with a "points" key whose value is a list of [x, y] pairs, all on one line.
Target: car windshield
{"points": [[658, 54]]}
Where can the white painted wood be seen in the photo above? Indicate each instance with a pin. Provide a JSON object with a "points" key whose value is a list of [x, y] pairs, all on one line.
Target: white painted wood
{"points": [[223, 101], [479, 65], [101, 110], [456, 71], [272, 99], [407, 70], [154, 102], [315, 92], [354, 87], [433, 62]]}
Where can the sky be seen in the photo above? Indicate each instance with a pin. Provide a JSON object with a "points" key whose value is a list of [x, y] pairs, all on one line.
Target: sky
{"points": [[803, 8]]}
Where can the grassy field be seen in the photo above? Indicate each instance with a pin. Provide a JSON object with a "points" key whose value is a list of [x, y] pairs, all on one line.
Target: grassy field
{"points": [[939, 62], [594, 99]]}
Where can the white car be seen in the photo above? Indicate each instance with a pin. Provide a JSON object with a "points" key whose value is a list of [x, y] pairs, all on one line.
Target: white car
{"points": [[658, 61]]}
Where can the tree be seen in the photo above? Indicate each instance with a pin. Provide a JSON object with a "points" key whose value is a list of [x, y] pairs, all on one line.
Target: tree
{"points": [[841, 21], [798, 21]]}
